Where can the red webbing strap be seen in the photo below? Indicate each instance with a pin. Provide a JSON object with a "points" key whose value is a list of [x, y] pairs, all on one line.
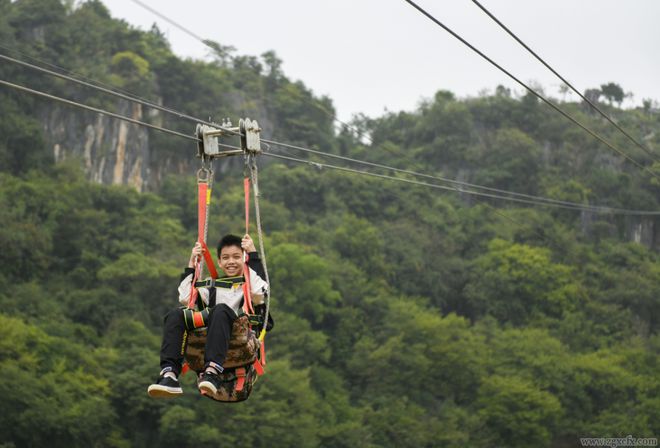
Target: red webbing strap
{"points": [[202, 203], [198, 320], [247, 286], [209, 261], [246, 189], [247, 302], [202, 196], [258, 367], [240, 379]]}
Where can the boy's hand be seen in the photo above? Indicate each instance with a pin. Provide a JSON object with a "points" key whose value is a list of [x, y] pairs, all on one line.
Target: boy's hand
{"points": [[195, 255], [247, 244]]}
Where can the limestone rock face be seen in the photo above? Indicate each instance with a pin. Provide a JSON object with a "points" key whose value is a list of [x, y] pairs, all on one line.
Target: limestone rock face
{"points": [[112, 151], [643, 231]]}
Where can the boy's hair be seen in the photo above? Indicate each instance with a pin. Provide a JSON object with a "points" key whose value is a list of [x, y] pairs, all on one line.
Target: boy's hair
{"points": [[229, 240]]}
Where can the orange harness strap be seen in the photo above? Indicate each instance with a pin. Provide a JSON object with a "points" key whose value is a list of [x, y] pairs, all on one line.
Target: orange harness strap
{"points": [[247, 286], [240, 379], [258, 367], [209, 261], [202, 202]]}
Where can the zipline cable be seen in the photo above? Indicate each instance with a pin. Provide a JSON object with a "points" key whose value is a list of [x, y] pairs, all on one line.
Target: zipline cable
{"points": [[171, 22], [136, 98], [131, 97], [451, 181], [579, 207], [587, 100], [98, 111], [413, 173], [530, 90], [536, 198], [479, 200], [67, 71], [566, 205], [182, 115]]}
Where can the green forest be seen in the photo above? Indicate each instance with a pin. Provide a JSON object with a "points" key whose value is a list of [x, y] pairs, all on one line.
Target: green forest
{"points": [[405, 316]]}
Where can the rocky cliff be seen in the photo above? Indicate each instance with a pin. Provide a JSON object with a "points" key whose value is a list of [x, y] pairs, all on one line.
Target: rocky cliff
{"points": [[112, 151]]}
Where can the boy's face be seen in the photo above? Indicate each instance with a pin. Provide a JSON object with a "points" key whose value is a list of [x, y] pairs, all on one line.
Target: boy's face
{"points": [[231, 261]]}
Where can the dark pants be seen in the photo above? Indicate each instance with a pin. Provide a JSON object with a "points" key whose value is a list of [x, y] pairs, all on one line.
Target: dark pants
{"points": [[220, 322]]}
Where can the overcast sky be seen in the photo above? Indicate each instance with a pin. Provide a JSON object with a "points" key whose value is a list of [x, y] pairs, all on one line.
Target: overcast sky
{"points": [[375, 55]]}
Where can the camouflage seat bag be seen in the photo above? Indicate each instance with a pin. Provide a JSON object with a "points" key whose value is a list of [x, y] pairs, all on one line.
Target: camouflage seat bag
{"points": [[236, 384], [239, 374]]}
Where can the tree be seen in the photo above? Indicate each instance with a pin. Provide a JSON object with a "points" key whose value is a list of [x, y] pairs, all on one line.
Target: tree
{"points": [[65, 389], [500, 90], [222, 53], [131, 71], [305, 278], [510, 161], [564, 89], [613, 92], [517, 283], [593, 95], [437, 359], [274, 66], [516, 413]]}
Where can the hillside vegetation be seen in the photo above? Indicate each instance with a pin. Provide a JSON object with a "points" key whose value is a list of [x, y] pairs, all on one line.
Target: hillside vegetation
{"points": [[405, 316]]}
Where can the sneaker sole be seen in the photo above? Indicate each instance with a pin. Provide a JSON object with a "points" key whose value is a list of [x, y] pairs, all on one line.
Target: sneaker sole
{"points": [[158, 391], [207, 388]]}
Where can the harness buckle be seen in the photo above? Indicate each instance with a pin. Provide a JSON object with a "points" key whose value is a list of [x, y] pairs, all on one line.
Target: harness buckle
{"points": [[207, 283], [255, 319]]}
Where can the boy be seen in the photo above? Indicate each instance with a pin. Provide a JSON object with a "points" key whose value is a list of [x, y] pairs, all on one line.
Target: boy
{"points": [[224, 304]]}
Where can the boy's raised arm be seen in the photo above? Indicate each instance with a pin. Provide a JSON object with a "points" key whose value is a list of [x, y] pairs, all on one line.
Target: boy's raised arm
{"points": [[186, 278]]}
